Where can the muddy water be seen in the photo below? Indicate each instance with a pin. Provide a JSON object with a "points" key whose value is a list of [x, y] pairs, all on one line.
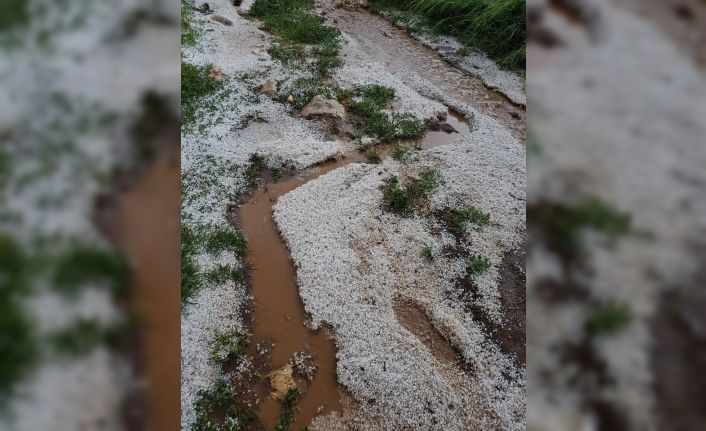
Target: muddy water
{"points": [[279, 311], [148, 228], [384, 43]]}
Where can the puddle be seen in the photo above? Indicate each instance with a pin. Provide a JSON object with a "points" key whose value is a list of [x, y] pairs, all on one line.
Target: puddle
{"points": [[148, 226], [278, 309]]}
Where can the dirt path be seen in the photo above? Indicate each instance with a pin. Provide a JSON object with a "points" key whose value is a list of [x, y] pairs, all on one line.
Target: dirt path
{"points": [[392, 46], [280, 317]]}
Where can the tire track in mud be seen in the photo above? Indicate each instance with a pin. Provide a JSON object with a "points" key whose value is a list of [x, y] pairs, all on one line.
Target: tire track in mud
{"points": [[393, 47], [280, 317]]}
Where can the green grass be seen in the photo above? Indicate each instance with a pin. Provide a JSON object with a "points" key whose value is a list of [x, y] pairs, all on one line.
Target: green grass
{"points": [[289, 408], [460, 220], [478, 265], [195, 86], [568, 222], [289, 53], [404, 200], [89, 265], [223, 273], [228, 346], [18, 347], [428, 253], [401, 154], [496, 27], [304, 89], [609, 319], [369, 106], [15, 13], [215, 410], [189, 33], [213, 240], [84, 335], [374, 158], [293, 22]]}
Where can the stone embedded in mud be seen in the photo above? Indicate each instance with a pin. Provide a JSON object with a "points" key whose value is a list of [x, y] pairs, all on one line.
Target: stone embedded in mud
{"points": [[216, 73], [320, 105], [269, 88], [290, 98], [282, 381]]}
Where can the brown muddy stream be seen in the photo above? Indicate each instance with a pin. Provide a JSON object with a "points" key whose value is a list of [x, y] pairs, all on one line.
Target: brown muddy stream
{"points": [[279, 313]]}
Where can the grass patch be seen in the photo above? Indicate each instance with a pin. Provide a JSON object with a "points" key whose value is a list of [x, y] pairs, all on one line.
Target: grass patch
{"points": [[459, 221], [325, 65], [15, 13], [88, 265], [215, 410], [374, 158], [478, 265], [228, 346], [289, 53], [401, 154], [196, 84], [496, 27], [189, 33], [213, 240], [568, 222], [609, 319], [84, 335], [304, 89], [223, 273], [401, 200], [288, 409], [428, 253], [369, 107]]}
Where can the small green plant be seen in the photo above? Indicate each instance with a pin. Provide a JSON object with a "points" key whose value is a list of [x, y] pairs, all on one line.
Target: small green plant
{"points": [[374, 157], [84, 265], [84, 335], [210, 406], [220, 239], [609, 318], [568, 222], [325, 65], [223, 273], [401, 154], [404, 200], [377, 94], [288, 409], [408, 127], [228, 346], [289, 53], [380, 125], [459, 220], [304, 89], [428, 253], [478, 265]]}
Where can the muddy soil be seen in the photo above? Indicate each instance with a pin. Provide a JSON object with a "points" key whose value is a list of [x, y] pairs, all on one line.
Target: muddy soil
{"points": [[280, 316], [392, 47]]}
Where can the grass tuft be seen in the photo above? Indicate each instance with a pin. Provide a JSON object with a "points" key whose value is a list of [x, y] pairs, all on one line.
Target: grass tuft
{"points": [[195, 85], [228, 346], [403, 200], [609, 319], [86, 265], [478, 265], [460, 220], [428, 253], [288, 409]]}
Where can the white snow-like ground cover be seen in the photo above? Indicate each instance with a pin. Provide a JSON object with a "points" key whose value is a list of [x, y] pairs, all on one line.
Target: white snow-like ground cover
{"points": [[622, 119], [354, 261]]}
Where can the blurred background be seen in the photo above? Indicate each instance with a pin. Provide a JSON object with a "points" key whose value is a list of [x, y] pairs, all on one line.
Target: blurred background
{"points": [[89, 215], [616, 214]]}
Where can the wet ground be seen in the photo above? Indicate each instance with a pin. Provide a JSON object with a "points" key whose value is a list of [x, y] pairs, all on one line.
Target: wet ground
{"points": [[280, 316], [392, 47]]}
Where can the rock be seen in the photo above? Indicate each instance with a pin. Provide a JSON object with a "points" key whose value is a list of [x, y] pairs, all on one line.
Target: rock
{"points": [[282, 381], [269, 88], [223, 20], [290, 98], [320, 105], [216, 73]]}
